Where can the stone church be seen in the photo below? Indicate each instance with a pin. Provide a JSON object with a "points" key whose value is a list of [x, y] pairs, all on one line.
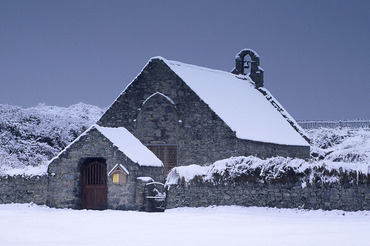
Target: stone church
{"points": [[172, 114]]}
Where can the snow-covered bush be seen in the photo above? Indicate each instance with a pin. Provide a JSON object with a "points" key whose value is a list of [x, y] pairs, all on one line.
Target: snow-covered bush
{"points": [[271, 170], [32, 136], [338, 155], [340, 145]]}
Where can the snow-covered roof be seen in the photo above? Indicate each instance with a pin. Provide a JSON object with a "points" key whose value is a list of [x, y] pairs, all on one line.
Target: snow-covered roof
{"points": [[126, 143], [130, 146], [236, 101]]}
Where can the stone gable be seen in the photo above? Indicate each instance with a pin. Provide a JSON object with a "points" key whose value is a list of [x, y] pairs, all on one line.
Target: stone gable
{"points": [[158, 107], [65, 174], [161, 110]]}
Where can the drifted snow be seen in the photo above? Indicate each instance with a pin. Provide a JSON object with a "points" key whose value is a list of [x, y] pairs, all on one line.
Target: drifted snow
{"points": [[130, 146], [243, 108], [32, 225], [39, 170]]}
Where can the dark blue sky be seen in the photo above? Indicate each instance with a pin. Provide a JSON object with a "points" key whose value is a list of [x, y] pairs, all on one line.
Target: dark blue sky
{"points": [[315, 54]]}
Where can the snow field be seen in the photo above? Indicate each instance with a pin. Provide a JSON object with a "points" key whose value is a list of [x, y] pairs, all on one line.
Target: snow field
{"points": [[27, 224]]}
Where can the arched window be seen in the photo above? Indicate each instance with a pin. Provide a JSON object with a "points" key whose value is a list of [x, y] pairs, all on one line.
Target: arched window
{"points": [[158, 126]]}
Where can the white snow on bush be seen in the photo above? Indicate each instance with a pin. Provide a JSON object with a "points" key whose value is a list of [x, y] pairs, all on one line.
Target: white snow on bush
{"points": [[186, 172], [270, 168], [235, 99], [32, 136], [341, 145], [24, 171]]}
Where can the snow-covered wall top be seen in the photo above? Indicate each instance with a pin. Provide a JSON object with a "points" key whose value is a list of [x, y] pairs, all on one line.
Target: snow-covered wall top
{"points": [[243, 108], [276, 168]]}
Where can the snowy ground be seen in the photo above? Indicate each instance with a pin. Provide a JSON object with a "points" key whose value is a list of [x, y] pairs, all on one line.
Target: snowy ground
{"points": [[25, 224]]}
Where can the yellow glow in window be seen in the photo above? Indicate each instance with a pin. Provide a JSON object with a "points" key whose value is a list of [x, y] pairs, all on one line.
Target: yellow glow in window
{"points": [[116, 178]]}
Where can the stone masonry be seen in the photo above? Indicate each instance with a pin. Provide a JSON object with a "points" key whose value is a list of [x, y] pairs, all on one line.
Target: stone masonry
{"points": [[348, 196], [23, 189], [65, 174], [158, 107]]}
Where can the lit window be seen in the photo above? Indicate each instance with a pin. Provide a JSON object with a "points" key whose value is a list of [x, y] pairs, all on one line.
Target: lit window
{"points": [[119, 174], [116, 178]]}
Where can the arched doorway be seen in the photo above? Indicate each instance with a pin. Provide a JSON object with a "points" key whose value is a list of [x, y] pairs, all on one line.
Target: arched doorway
{"points": [[94, 185]]}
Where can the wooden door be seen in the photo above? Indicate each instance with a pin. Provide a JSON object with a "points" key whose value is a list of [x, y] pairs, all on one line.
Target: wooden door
{"points": [[94, 186]]}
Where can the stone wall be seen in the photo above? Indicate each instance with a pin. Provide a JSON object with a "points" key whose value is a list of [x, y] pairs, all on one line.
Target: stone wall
{"points": [[23, 189], [348, 196], [65, 174], [159, 108]]}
